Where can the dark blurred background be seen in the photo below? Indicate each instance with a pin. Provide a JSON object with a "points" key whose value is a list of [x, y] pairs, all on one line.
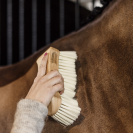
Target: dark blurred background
{"points": [[28, 25]]}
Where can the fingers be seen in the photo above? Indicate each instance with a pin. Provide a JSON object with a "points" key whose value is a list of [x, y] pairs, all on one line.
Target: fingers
{"points": [[42, 67], [55, 80], [50, 75], [52, 79], [58, 87]]}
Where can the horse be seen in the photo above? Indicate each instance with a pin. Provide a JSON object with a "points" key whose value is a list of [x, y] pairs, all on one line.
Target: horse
{"points": [[104, 75]]}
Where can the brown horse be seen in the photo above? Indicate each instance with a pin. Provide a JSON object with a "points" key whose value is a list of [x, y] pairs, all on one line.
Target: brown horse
{"points": [[105, 76]]}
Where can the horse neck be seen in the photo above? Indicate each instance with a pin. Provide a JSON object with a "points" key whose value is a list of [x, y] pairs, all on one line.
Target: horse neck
{"points": [[113, 25]]}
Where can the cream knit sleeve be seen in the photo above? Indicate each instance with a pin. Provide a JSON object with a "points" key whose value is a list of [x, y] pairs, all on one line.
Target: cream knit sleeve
{"points": [[29, 117]]}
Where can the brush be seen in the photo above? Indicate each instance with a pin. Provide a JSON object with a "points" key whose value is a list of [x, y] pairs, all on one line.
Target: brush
{"points": [[63, 108]]}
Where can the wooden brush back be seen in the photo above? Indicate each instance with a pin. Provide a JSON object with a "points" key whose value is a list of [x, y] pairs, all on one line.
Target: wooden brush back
{"points": [[52, 64]]}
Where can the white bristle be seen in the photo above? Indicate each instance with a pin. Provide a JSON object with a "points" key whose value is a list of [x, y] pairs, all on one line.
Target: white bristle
{"points": [[67, 65], [64, 117], [69, 102], [65, 96], [67, 71], [73, 107], [60, 120], [69, 93], [70, 61], [70, 81], [69, 85], [63, 61], [69, 109], [66, 68], [68, 52], [69, 78], [65, 114], [66, 59], [64, 121], [68, 112], [64, 73], [66, 88], [69, 56], [77, 112], [69, 74]]}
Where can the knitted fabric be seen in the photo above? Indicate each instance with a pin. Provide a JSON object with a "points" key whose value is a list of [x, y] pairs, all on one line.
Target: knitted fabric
{"points": [[29, 117]]}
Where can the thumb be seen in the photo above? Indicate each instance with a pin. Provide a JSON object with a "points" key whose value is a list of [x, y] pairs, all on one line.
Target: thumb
{"points": [[42, 67]]}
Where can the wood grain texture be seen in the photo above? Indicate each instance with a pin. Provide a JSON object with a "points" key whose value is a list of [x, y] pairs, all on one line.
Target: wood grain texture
{"points": [[52, 64]]}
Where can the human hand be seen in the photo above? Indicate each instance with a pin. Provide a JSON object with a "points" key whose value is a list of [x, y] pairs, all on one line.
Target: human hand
{"points": [[45, 86]]}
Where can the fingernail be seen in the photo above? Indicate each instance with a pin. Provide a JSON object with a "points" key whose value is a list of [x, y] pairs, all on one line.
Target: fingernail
{"points": [[61, 92], [45, 54]]}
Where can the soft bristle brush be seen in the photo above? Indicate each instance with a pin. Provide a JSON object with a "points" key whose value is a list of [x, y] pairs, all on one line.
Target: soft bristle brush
{"points": [[63, 108]]}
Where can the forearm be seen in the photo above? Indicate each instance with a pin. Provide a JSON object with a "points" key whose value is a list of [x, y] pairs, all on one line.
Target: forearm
{"points": [[29, 117]]}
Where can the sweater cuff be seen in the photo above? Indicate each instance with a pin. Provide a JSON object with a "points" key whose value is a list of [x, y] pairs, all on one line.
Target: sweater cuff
{"points": [[29, 117], [34, 105]]}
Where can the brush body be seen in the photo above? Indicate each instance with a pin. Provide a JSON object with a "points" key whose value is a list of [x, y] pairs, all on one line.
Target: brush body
{"points": [[63, 108]]}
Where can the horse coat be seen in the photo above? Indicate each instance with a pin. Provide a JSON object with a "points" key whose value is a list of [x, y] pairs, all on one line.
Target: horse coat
{"points": [[104, 74]]}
